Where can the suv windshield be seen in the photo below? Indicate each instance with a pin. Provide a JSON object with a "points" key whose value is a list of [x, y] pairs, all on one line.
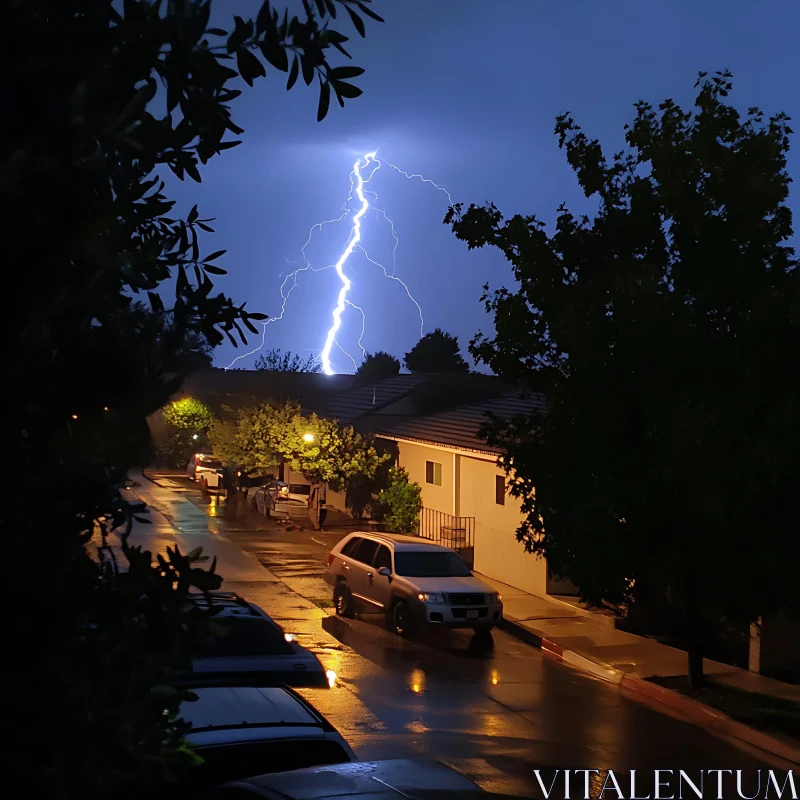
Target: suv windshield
{"points": [[422, 564], [244, 637]]}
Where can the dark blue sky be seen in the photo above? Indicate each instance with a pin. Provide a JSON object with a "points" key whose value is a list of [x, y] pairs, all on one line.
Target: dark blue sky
{"points": [[466, 93]]}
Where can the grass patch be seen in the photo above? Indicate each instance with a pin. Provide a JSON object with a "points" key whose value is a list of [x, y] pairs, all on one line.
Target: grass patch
{"points": [[772, 715]]}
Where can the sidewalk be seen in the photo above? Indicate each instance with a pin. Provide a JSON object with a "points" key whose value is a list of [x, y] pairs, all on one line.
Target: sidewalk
{"points": [[591, 642]]}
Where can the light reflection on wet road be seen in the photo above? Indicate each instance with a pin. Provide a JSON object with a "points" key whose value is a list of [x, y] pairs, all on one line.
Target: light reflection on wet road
{"points": [[495, 717]]}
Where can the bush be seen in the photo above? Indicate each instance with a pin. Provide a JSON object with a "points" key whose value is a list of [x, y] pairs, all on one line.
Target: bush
{"points": [[401, 502]]}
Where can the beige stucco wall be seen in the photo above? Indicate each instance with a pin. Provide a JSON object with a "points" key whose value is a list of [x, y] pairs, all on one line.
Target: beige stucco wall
{"points": [[498, 554], [412, 458]]}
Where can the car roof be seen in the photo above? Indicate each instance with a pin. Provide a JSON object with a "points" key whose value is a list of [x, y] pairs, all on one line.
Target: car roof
{"points": [[229, 707], [392, 778], [401, 541]]}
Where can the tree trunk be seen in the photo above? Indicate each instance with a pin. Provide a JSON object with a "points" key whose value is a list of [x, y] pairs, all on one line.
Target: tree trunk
{"points": [[695, 640]]}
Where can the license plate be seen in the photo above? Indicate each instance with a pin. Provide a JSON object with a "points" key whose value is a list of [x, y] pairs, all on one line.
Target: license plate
{"points": [[472, 613]]}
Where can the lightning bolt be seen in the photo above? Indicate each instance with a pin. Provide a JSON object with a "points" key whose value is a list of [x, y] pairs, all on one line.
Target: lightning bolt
{"points": [[357, 187], [355, 238]]}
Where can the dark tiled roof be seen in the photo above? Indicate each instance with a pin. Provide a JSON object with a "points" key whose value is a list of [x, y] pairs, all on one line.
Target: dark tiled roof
{"points": [[351, 405], [240, 388], [460, 427]]}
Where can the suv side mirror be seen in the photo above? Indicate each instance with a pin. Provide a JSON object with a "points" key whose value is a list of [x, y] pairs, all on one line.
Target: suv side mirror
{"points": [[385, 571]]}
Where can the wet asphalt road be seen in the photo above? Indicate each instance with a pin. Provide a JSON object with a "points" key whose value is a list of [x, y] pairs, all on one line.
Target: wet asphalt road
{"points": [[494, 716]]}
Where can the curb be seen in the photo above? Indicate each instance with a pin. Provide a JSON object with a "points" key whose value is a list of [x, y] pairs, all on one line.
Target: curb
{"points": [[696, 712]]}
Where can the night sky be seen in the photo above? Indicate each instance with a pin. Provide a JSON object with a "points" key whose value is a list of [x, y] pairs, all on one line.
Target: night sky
{"points": [[464, 92]]}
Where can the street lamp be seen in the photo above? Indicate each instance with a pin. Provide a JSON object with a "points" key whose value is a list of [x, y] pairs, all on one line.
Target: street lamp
{"points": [[195, 437], [308, 438]]}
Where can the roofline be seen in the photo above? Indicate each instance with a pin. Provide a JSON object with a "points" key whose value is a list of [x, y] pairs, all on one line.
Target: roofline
{"points": [[488, 455]]}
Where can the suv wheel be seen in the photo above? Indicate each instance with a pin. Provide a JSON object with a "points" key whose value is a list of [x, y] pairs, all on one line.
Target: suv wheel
{"points": [[400, 618], [343, 600]]}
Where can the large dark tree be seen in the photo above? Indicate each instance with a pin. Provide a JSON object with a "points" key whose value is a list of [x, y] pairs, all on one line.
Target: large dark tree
{"points": [[105, 97], [275, 360], [377, 367], [436, 352], [671, 449]]}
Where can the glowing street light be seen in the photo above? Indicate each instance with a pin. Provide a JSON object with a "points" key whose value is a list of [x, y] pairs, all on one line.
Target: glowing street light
{"points": [[195, 437], [308, 438]]}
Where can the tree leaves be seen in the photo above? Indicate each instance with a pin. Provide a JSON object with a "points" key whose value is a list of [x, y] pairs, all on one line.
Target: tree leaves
{"points": [[112, 239], [275, 54], [343, 73], [260, 438], [358, 23], [249, 66], [658, 326], [324, 101], [293, 73]]}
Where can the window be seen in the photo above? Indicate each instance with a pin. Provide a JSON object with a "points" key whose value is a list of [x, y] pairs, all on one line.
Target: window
{"points": [[500, 490], [420, 564], [365, 551], [433, 473], [384, 557], [350, 547]]}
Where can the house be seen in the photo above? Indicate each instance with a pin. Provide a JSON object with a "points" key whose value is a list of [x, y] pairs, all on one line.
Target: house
{"points": [[432, 423], [465, 497]]}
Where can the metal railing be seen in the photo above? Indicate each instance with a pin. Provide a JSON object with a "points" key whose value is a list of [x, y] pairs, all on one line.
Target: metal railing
{"points": [[457, 533]]}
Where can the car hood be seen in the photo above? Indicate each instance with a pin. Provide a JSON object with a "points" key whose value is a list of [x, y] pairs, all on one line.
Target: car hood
{"points": [[451, 585]]}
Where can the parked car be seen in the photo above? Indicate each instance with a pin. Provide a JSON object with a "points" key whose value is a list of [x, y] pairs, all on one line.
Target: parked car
{"points": [[207, 471], [393, 779], [267, 497], [253, 644], [244, 730], [414, 582]]}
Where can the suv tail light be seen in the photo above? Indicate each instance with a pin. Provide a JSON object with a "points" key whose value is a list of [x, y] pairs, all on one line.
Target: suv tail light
{"points": [[331, 556]]}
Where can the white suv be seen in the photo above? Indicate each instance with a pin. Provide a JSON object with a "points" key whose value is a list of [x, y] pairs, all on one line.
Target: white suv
{"points": [[412, 581]]}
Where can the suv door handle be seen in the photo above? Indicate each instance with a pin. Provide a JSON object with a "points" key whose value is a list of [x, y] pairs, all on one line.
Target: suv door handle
{"points": [[369, 574], [347, 566]]}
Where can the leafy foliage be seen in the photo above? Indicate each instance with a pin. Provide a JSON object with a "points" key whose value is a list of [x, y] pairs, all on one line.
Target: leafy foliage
{"points": [[176, 451], [377, 367], [436, 352], [188, 414], [401, 502], [671, 447], [275, 360], [88, 220], [270, 434]]}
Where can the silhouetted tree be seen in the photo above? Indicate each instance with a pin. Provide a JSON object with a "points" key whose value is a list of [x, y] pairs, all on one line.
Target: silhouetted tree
{"points": [[377, 367], [275, 360], [106, 97], [436, 352], [671, 448]]}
